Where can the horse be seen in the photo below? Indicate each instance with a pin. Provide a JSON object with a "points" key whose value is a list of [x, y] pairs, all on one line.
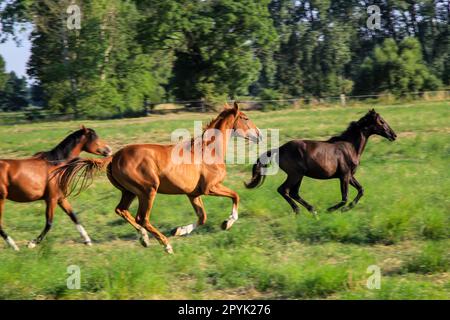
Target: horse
{"points": [[338, 157], [27, 180], [143, 170]]}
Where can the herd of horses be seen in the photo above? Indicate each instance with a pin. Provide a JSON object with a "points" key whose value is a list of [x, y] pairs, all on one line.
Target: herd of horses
{"points": [[143, 170]]}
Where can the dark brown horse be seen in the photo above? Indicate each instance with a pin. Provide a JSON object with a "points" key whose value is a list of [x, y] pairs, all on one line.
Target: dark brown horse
{"points": [[27, 180], [143, 170], [337, 157]]}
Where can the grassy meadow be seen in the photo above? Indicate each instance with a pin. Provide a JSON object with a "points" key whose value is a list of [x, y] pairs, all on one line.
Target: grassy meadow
{"points": [[401, 224]]}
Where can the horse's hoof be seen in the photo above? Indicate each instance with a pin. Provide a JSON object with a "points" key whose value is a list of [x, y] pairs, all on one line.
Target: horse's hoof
{"points": [[169, 249], [88, 243], [30, 245], [226, 225], [315, 215]]}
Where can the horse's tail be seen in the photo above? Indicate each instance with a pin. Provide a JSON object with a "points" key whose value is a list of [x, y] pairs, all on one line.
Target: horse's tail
{"points": [[257, 176], [78, 173]]}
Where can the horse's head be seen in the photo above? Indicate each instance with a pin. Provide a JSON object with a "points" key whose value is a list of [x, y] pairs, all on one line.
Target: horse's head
{"points": [[93, 144], [244, 127], [377, 125]]}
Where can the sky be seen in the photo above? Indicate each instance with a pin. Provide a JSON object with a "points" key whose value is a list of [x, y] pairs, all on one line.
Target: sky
{"points": [[16, 57]]}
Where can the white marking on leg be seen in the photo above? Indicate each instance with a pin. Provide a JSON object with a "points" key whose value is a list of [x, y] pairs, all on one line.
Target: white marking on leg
{"points": [[232, 218], [84, 234], [143, 237], [168, 248], [11, 242], [31, 244], [234, 214], [181, 231]]}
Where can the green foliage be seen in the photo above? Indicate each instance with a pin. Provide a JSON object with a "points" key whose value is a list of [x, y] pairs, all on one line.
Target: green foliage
{"points": [[432, 258], [397, 68], [13, 93], [131, 51]]}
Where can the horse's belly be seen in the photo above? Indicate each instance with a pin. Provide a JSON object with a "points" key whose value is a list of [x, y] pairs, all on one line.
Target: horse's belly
{"points": [[327, 171], [178, 184], [26, 189], [26, 192]]}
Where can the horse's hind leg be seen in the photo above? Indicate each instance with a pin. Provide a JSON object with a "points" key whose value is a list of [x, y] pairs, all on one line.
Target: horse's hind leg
{"points": [[49, 213], [360, 189], [67, 208], [122, 211], [294, 193], [285, 189], [197, 204], [344, 192], [7, 238], [143, 218]]}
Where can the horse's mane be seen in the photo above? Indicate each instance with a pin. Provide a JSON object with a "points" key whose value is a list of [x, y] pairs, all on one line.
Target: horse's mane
{"points": [[211, 124], [348, 133], [64, 148], [353, 128]]}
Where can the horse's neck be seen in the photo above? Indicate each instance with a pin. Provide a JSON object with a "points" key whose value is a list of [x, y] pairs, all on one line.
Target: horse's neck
{"points": [[359, 142], [70, 155], [223, 125]]}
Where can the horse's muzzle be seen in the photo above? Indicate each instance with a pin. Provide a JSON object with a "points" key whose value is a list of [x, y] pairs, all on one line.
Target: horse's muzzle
{"points": [[106, 151]]}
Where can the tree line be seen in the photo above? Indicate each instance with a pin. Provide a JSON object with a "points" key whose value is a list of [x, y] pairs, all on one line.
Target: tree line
{"points": [[129, 52]]}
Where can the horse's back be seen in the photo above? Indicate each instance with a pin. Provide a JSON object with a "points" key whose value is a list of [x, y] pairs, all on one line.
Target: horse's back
{"points": [[316, 159]]}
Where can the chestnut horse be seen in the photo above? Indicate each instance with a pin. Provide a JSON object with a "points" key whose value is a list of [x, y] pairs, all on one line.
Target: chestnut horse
{"points": [[337, 157], [27, 180], [143, 170]]}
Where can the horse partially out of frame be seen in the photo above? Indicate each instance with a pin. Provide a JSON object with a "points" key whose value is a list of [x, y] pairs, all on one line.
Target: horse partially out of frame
{"points": [[27, 180]]}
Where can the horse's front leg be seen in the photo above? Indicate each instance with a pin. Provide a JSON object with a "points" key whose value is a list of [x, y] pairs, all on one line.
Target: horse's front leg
{"points": [[360, 189], [197, 204], [49, 213], [344, 192], [67, 208], [220, 190]]}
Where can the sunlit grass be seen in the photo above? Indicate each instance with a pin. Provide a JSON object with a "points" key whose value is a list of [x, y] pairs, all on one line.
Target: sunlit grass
{"points": [[401, 224]]}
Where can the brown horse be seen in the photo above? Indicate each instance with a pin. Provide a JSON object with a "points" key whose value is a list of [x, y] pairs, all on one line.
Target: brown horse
{"points": [[337, 157], [143, 170], [27, 180]]}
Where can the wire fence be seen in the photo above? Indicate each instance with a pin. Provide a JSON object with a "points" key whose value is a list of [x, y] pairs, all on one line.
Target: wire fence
{"points": [[168, 107]]}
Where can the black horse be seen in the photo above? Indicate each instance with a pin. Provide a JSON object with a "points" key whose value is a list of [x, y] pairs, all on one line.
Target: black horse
{"points": [[338, 157]]}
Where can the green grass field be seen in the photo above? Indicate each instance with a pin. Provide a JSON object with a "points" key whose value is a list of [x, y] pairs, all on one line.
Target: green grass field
{"points": [[401, 224]]}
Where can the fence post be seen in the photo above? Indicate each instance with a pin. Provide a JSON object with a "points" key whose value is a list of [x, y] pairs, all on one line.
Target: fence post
{"points": [[343, 100], [147, 108]]}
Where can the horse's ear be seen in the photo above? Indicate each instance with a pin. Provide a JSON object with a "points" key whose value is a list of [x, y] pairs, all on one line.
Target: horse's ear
{"points": [[236, 106], [83, 128]]}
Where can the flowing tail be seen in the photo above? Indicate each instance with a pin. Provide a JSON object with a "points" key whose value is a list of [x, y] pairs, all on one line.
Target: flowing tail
{"points": [[257, 176], [78, 173]]}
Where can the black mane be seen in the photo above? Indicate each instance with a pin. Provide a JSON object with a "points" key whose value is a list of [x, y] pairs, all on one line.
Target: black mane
{"points": [[64, 148], [348, 133], [353, 128]]}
